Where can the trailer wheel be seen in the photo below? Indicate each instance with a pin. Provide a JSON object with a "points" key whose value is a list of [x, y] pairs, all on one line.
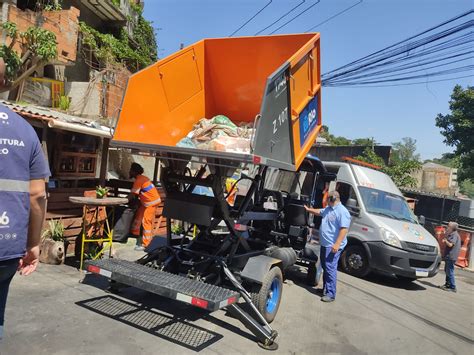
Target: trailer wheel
{"points": [[270, 293], [354, 261]]}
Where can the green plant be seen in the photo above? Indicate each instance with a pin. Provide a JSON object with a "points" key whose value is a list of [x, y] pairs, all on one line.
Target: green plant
{"points": [[64, 102], [135, 7], [399, 171], [41, 42], [38, 46], [101, 191], [176, 228], [53, 5], [136, 52], [55, 230]]}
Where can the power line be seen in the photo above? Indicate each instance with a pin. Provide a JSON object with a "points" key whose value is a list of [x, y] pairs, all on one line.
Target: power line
{"points": [[403, 84], [335, 15], [282, 16], [438, 51], [408, 39], [251, 18], [295, 17]]}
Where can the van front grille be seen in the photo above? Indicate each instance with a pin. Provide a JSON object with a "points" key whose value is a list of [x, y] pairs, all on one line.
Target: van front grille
{"points": [[421, 247]]}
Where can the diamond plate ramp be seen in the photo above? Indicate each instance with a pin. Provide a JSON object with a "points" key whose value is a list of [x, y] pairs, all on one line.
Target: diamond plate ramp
{"points": [[197, 293]]}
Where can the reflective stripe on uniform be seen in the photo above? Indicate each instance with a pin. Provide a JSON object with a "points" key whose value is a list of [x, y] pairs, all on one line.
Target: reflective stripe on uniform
{"points": [[148, 204], [148, 188], [14, 185]]}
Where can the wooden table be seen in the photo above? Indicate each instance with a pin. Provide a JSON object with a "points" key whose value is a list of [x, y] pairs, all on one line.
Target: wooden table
{"points": [[100, 224]]}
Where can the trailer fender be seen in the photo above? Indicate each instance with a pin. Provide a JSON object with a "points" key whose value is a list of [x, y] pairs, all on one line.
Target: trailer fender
{"points": [[258, 266]]}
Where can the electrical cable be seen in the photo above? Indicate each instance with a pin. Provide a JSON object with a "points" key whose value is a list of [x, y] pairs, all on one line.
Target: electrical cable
{"points": [[410, 38], [295, 17], [281, 17], [420, 56], [251, 18], [404, 84], [334, 16]]}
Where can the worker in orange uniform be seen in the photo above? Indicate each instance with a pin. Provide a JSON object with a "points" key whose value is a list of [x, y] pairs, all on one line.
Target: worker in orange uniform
{"points": [[146, 192]]}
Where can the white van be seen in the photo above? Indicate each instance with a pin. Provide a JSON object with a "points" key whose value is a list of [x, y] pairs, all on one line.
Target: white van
{"points": [[384, 234]]}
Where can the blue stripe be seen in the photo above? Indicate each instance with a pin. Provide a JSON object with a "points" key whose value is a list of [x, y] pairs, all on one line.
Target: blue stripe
{"points": [[148, 188]]}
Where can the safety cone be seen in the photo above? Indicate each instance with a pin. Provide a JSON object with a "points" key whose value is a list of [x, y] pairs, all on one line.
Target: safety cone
{"points": [[463, 261]]}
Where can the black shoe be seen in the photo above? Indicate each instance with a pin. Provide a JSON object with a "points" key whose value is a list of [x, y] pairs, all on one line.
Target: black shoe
{"points": [[447, 288], [320, 292], [327, 299]]}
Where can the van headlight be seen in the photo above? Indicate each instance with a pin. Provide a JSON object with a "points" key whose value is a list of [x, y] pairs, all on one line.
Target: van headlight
{"points": [[390, 238]]}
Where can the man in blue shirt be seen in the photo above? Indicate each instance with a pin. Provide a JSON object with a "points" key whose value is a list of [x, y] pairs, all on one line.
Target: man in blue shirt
{"points": [[23, 169], [332, 236]]}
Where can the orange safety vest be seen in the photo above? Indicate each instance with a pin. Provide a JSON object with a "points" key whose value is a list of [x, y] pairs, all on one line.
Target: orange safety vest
{"points": [[146, 191]]}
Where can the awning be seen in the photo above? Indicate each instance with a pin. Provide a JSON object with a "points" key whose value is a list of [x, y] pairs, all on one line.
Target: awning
{"points": [[60, 120]]}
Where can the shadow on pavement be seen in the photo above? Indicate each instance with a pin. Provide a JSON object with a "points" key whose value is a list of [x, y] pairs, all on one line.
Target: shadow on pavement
{"points": [[175, 329], [180, 311], [429, 284], [392, 281]]}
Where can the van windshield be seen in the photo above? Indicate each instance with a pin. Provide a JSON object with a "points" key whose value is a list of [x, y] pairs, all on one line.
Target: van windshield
{"points": [[386, 204]]}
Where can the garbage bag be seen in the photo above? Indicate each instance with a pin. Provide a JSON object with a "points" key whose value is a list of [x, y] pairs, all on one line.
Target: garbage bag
{"points": [[223, 120], [186, 142], [122, 226]]}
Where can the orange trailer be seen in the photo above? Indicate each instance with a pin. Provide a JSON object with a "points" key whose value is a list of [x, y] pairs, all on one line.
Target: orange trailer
{"points": [[272, 82]]}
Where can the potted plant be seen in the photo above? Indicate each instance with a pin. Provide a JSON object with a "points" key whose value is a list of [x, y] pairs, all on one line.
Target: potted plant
{"points": [[101, 191], [52, 243]]}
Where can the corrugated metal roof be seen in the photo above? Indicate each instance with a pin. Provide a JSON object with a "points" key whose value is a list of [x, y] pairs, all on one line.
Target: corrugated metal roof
{"points": [[55, 117]]}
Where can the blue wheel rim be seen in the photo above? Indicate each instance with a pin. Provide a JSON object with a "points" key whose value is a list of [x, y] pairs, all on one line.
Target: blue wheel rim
{"points": [[273, 295]]}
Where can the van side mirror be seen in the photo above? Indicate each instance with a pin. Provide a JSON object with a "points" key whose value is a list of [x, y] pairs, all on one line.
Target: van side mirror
{"points": [[351, 203], [422, 220], [353, 207]]}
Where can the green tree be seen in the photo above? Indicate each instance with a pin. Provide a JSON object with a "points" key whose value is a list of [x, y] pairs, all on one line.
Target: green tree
{"points": [[466, 187], [457, 128], [399, 171], [38, 47], [367, 142], [404, 151]]}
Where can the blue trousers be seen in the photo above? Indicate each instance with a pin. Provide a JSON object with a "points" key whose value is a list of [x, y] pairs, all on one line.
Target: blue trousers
{"points": [[329, 261], [7, 271], [449, 270]]}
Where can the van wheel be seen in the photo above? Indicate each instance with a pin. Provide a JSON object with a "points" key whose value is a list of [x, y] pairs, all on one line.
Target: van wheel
{"points": [[354, 261], [268, 298]]}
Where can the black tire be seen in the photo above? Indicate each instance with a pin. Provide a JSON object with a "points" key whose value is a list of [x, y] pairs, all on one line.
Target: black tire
{"points": [[312, 275], [406, 279], [273, 279], [354, 261]]}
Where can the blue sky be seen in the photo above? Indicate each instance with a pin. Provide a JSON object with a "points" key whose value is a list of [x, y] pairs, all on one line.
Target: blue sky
{"points": [[388, 114]]}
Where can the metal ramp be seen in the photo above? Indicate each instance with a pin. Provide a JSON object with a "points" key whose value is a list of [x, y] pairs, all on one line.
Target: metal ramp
{"points": [[197, 293]]}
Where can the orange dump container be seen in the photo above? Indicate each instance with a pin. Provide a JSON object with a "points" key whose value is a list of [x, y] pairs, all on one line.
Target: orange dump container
{"points": [[272, 82]]}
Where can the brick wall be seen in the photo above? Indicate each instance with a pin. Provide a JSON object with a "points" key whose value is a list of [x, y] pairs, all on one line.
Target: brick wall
{"points": [[64, 24], [113, 89]]}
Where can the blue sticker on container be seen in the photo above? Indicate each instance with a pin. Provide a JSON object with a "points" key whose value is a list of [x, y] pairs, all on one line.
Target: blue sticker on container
{"points": [[308, 119]]}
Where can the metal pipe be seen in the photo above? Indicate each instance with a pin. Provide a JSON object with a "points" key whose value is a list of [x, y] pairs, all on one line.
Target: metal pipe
{"points": [[52, 123]]}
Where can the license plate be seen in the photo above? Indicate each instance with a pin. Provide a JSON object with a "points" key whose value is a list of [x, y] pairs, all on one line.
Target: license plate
{"points": [[421, 272]]}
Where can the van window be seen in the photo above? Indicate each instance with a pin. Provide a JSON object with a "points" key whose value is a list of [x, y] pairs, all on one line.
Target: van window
{"points": [[346, 192], [386, 204]]}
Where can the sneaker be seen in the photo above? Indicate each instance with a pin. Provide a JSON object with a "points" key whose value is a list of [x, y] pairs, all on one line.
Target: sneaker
{"points": [[327, 299], [139, 248]]}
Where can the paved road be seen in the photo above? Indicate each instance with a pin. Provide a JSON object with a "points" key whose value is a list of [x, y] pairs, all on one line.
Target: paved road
{"points": [[50, 312]]}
